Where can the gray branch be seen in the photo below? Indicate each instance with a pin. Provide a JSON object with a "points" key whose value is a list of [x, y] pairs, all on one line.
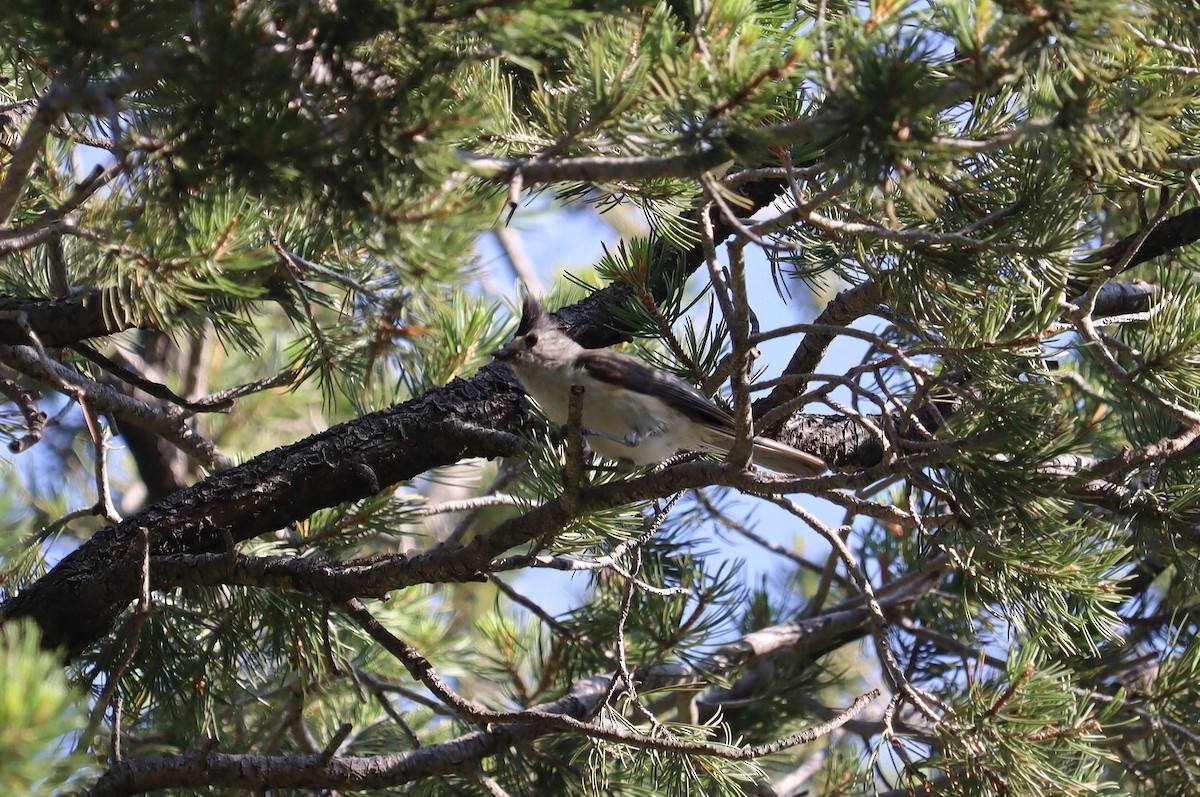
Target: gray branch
{"points": [[205, 769]]}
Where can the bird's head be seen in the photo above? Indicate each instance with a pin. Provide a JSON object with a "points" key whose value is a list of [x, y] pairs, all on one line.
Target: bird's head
{"points": [[538, 341]]}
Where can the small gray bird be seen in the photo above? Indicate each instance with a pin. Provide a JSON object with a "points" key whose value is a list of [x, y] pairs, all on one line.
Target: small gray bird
{"points": [[631, 412]]}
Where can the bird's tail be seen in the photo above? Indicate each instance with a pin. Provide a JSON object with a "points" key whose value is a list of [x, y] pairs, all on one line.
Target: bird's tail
{"points": [[770, 454], [776, 456]]}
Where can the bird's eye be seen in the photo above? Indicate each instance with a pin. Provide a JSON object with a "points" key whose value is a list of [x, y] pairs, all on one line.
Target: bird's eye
{"points": [[531, 339]]}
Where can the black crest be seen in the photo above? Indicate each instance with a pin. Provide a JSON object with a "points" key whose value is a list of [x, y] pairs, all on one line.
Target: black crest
{"points": [[531, 314]]}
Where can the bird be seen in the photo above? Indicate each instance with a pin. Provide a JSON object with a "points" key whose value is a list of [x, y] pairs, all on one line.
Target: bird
{"points": [[632, 413]]}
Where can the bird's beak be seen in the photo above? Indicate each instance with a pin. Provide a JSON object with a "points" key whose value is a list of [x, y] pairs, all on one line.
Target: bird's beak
{"points": [[505, 353]]}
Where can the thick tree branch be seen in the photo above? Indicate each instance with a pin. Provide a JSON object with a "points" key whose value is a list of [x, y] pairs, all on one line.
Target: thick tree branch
{"points": [[477, 417], [1182, 229], [78, 600], [374, 577], [61, 322]]}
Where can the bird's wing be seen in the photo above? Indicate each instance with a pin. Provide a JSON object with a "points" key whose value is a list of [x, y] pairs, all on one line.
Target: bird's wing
{"points": [[621, 370]]}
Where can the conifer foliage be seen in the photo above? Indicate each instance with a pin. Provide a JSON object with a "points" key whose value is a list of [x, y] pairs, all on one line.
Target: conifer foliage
{"points": [[275, 523]]}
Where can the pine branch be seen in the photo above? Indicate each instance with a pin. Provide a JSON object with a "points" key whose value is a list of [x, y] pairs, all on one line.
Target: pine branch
{"points": [[345, 463], [504, 729], [29, 361], [61, 322], [600, 170], [206, 768], [850, 305], [63, 96]]}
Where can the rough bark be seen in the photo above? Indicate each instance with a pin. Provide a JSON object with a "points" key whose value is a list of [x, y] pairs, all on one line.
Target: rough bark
{"points": [[77, 601], [60, 322]]}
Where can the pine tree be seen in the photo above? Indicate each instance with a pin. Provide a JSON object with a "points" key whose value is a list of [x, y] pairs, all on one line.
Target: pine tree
{"points": [[272, 512]]}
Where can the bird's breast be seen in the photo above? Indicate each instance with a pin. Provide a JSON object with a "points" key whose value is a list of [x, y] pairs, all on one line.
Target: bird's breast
{"points": [[621, 413]]}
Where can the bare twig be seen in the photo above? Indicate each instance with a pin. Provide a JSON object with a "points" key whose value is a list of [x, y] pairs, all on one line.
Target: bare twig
{"points": [[223, 398], [573, 475], [35, 418], [104, 399], [532, 606], [336, 276], [150, 387], [897, 680], [25, 155], [847, 307], [741, 528], [518, 260], [109, 695], [104, 500], [292, 267], [335, 742]]}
